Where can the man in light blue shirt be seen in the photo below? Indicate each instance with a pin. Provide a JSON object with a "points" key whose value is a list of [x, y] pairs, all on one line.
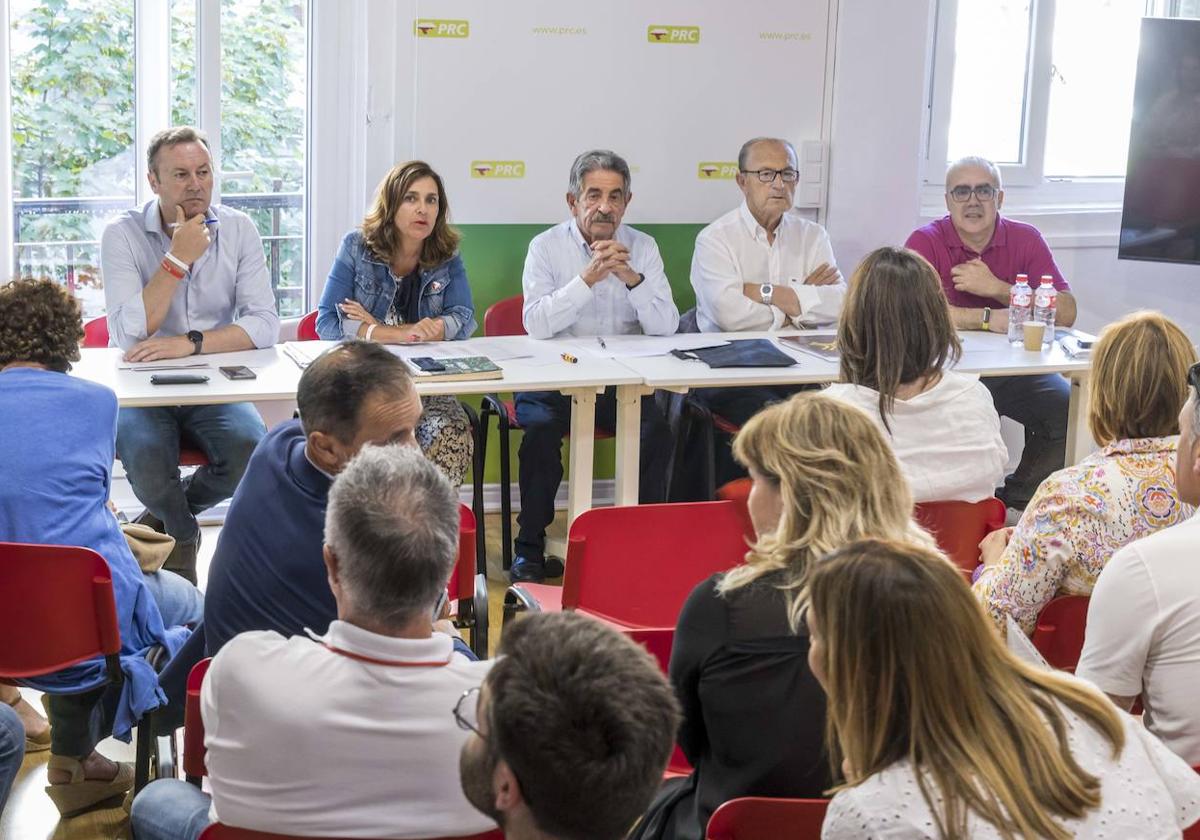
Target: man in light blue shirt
{"points": [[588, 276], [182, 277]]}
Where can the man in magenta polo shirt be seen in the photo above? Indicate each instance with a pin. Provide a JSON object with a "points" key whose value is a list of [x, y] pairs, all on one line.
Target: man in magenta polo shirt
{"points": [[979, 255]]}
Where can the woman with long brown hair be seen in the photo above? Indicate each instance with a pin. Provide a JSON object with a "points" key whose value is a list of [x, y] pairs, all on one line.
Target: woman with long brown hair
{"points": [[942, 733], [896, 341], [398, 278], [753, 715]]}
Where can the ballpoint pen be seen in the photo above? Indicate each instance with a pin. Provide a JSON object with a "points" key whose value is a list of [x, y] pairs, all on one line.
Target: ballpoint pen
{"points": [[206, 221]]}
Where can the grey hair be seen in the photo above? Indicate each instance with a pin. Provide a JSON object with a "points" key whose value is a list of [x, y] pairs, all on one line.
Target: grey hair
{"points": [[392, 522], [592, 161], [744, 153], [173, 137], [975, 160]]}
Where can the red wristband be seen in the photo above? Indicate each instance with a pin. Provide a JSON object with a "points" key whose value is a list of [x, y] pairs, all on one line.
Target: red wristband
{"points": [[172, 269]]}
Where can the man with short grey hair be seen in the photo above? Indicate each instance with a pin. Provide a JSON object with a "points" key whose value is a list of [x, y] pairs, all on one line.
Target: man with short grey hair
{"points": [[184, 276], [367, 701], [588, 276]]}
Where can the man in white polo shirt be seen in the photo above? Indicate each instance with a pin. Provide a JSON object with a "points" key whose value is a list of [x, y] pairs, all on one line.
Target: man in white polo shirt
{"points": [[762, 266], [1143, 626], [347, 734]]}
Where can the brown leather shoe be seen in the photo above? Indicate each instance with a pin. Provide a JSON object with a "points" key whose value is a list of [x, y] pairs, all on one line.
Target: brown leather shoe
{"points": [[182, 559]]}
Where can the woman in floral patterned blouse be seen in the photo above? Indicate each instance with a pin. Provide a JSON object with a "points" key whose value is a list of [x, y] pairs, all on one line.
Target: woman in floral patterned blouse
{"points": [[1082, 514]]}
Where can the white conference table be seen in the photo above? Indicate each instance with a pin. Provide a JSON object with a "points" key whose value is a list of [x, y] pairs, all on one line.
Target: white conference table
{"points": [[538, 366], [541, 368], [987, 354]]}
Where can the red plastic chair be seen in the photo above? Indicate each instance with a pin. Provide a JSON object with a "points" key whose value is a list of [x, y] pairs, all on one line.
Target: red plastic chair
{"points": [[635, 566], [959, 526], [306, 330], [1193, 831], [217, 831], [1058, 635], [658, 641], [194, 768], [738, 492], [762, 818], [505, 318], [64, 594], [95, 334], [469, 586]]}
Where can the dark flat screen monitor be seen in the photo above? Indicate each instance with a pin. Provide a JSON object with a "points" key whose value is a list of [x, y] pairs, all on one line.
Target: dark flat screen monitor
{"points": [[1160, 219]]}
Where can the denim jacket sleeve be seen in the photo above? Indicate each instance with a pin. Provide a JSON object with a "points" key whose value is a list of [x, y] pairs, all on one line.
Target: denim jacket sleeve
{"points": [[331, 322], [458, 311]]}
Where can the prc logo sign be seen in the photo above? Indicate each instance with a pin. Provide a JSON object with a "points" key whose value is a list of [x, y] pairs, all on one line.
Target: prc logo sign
{"points": [[658, 33], [716, 170], [497, 169], [435, 28]]}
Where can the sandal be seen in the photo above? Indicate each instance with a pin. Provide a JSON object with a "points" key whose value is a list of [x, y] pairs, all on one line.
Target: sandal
{"points": [[80, 794], [33, 744]]}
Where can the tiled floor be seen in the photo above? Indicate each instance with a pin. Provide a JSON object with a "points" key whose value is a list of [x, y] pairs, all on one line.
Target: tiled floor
{"points": [[30, 814]]}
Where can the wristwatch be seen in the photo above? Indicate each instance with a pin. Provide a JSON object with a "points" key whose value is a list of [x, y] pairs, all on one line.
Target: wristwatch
{"points": [[985, 323], [197, 339], [766, 290]]}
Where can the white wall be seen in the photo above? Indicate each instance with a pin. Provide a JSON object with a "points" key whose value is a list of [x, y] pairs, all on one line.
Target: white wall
{"points": [[881, 79]]}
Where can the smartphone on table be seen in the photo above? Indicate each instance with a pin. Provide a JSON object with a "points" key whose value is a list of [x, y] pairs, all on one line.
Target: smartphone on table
{"points": [[238, 372]]}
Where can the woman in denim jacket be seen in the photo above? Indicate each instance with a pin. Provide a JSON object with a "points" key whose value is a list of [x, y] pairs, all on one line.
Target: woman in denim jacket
{"points": [[398, 278]]}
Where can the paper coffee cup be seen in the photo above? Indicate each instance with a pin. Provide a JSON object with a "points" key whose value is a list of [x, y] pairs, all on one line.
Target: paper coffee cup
{"points": [[1034, 332]]}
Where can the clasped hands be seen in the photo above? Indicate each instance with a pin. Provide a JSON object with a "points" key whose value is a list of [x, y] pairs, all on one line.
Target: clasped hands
{"points": [[975, 278], [609, 257], [427, 329]]}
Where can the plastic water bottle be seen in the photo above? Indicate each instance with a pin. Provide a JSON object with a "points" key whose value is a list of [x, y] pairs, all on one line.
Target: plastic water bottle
{"points": [[1020, 309], [1045, 307]]}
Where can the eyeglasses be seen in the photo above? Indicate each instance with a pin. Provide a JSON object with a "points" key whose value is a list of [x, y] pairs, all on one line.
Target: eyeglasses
{"points": [[984, 192], [1194, 378], [767, 176], [466, 714]]}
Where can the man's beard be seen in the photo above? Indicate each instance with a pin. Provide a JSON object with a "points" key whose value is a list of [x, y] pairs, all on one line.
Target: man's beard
{"points": [[475, 770]]}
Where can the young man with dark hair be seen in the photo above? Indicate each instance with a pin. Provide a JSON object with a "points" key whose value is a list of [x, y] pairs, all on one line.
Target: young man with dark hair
{"points": [[571, 730]]}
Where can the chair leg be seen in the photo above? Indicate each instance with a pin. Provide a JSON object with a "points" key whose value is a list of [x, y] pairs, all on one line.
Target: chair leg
{"points": [[479, 430], [146, 750], [479, 612], [505, 494]]}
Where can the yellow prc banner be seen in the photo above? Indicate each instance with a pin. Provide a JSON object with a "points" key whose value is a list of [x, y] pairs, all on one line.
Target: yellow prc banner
{"points": [[437, 28], [716, 170], [497, 169], [659, 33]]}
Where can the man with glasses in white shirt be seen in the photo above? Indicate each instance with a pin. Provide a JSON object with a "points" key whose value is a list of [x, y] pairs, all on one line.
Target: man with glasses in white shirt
{"points": [[588, 276], [762, 266]]}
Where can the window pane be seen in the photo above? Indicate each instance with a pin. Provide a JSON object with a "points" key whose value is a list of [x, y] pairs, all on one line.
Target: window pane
{"points": [[183, 62], [1091, 94], [263, 70], [72, 135], [987, 104]]}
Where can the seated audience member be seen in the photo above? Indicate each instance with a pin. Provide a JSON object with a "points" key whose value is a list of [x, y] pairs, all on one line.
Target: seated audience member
{"points": [[941, 732], [12, 750], [399, 278], [753, 716], [59, 436], [348, 733], [268, 572], [183, 276], [762, 266], [570, 731], [895, 338], [1143, 628], [588, 276], [1082, 514], [978, 254]]}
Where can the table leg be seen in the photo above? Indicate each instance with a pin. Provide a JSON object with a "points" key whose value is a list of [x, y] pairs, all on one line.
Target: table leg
{"points": [[1079, 436], [628, 431], [582, 445]]}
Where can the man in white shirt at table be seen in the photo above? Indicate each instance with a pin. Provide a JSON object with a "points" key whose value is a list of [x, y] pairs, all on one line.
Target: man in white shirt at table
{"points": [[183, 276], [762, 266], [588, 276], [350, 733], [1143, 624]]}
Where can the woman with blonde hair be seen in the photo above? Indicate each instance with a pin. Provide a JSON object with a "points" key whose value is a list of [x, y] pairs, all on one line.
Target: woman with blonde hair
{"points": [[398, 278], [1082, 514], [754, 716], [896, 338], [942, 733]]}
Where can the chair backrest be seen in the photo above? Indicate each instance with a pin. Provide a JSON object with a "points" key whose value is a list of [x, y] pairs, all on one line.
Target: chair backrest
{"points": [[657, 640], [959, 526], [306, 330], [1058, 635], [738, 492], [217, 831], [193, 724], [505, 317], [462, 577], [65, 592], [637, 565], [95, 332], [762, 818]]}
